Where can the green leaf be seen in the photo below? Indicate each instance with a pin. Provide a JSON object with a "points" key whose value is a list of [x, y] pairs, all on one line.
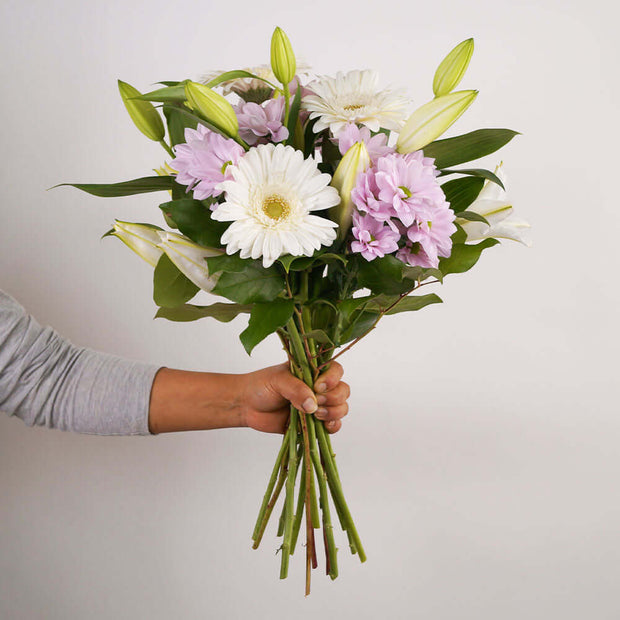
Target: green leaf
{"points": [[193, 219], [293, 115], [412, 303], [177, 124], [169, 94], [233, 263], [383, 275], [233, 75], [476, 172], [431, 272], [299, 263], [460, 236], [460, 193], [264, 320], [189, 116], [348, 306], [126, 188], [464, 257], [318, 335], [362, 323], [170, 287], [460, 149], [472, 216], [309, 138], [253, 284], [188, 312]]}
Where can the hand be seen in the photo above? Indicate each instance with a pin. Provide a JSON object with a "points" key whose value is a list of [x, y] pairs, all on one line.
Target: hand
{"points": [[267, 393]]}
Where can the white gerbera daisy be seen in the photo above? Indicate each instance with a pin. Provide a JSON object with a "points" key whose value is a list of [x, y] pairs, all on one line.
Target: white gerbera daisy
{"points": [[269, 202], [354, 97]]}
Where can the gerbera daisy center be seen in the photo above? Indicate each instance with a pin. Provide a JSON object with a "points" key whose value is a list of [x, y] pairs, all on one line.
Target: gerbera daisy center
{"points": [[352, 107], [275, 207]]}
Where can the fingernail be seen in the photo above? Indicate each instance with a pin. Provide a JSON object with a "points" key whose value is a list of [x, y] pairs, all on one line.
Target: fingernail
{"points": [[321, 413], [330, 424], [309, 405], [321, 387], [321, 399]]}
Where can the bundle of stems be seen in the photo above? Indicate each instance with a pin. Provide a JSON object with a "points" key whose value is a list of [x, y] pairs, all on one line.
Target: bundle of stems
{"points": [[306, 460]]}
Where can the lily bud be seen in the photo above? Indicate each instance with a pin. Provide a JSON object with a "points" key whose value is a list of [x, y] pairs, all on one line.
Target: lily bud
{"points": [[452, 68], [283, 63], [189, 258], [355, 161], [141, 238], [429, 121], [213, 107], [144, 115]]}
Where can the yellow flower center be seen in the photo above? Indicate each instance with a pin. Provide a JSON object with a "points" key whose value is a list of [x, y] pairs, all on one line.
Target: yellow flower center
{"points": [[275, 207], [351, 107]]}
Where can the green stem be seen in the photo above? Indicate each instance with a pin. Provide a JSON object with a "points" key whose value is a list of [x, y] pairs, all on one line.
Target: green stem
{"points": [[299, 511], [337, 493], [167, 148], [263, 517], [290, 493], [328, 530], [287, 105]]}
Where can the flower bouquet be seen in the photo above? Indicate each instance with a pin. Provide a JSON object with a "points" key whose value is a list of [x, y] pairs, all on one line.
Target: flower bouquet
{"points": [[317, 206]]}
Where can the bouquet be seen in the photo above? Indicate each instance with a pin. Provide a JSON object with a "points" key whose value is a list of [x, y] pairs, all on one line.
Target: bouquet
{"points": [[317, 206]]}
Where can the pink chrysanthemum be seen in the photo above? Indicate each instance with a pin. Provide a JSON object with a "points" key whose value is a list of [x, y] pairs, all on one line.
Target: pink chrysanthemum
{"points": [[401, 193], [201, 162], [429, 240], [373, 238], [375, 145], [409, 184], [259, 124]]}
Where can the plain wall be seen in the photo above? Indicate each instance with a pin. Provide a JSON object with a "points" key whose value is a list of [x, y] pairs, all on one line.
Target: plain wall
{"points": [[481, 455]]}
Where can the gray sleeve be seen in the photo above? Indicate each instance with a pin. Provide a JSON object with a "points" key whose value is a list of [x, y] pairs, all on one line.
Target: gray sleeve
{"points": [[47, 381]]}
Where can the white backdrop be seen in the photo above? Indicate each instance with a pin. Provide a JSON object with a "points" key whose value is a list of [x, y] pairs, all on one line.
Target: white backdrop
{"points": [[481, 454]]}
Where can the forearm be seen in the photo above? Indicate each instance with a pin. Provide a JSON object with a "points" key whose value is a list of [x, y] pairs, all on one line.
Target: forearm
{"points": [[47, 381], [186, 401]]}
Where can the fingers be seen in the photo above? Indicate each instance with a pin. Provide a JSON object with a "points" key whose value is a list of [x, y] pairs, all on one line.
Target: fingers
{"points": [[334, 397], [295, 391], [333, 426], [329, 379], [332, 413]]}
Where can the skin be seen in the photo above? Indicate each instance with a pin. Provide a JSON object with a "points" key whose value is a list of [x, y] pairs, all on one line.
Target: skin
{"points": [[188, 401]]}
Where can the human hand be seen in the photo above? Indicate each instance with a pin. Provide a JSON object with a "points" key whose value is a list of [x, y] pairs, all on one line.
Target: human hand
{"points": [[266, 395]]}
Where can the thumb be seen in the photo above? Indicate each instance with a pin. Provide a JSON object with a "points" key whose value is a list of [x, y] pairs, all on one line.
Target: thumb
{"points": [[295, 391]]}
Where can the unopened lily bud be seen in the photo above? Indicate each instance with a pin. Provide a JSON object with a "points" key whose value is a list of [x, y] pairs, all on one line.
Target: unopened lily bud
{"points": [[429, 121], [213, 107], [144, 115], [452, 68], [355, 161], [141, 238], [189, 258], [283, 63]]}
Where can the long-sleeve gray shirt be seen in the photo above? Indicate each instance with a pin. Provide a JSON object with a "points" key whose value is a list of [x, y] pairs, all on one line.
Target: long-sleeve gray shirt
{"points": [[47, 381]]}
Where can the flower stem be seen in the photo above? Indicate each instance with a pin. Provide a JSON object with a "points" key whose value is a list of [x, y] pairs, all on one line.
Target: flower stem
{"points": [[167, 148], [290, 492], [337, 493], [299, 511], [269, 500]]}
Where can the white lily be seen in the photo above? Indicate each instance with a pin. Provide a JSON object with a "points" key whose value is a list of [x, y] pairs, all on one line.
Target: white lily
{"points": [[494, 205], [141, 238], [189, 258]]}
